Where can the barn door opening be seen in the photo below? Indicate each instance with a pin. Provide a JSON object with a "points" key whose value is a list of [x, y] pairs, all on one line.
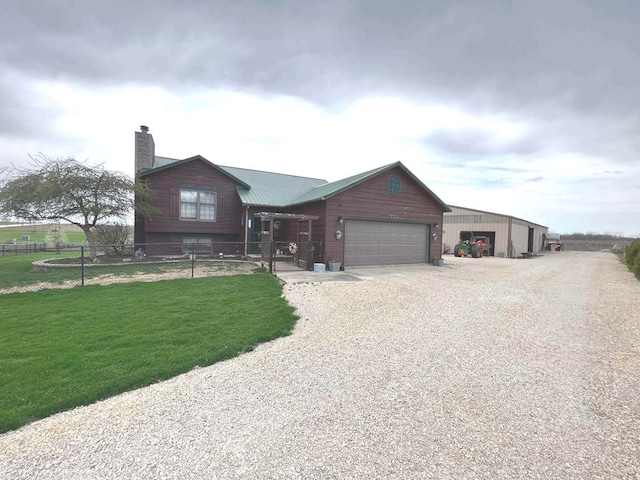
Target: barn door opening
{"points": [[530, 241]]}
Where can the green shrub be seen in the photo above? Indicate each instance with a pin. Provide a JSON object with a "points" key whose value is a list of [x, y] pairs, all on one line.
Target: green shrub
{"points": [[636, 267], [55, 237], [631, 253], [116, 237]]}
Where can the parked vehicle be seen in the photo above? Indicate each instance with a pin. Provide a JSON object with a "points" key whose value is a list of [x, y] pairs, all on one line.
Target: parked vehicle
{"points": [[474, 246]]}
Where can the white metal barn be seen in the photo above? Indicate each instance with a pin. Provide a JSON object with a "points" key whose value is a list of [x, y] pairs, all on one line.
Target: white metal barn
{"points": [[509, 236]]}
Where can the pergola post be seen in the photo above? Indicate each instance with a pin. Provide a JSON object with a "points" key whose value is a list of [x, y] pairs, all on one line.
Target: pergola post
{"points": [[271, 216]]}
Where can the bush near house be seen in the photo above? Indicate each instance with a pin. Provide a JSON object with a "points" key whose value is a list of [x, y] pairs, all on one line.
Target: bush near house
{"points": [[632, 258], [116, 237]]}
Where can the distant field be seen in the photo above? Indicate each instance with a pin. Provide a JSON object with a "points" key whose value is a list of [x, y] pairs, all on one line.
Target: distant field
{"points": [[40, 227], [37, 233]]}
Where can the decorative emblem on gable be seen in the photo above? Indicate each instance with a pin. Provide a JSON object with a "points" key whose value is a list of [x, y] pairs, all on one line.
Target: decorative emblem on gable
{"points": [[393, 185]]}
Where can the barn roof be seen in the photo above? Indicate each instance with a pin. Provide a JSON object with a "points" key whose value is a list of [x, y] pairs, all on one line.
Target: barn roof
{"points": [[497, 214]]}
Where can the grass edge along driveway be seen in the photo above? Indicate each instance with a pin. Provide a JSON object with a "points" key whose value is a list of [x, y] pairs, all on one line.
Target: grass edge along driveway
{"points": [[64, 348]]}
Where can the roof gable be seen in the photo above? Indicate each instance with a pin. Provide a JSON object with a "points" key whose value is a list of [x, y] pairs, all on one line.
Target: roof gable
{"points": [[328, 190], [497, 214], [166, 163]]}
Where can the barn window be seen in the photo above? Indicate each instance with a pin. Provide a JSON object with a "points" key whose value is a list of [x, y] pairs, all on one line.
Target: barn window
{"points": [[198, 205]]}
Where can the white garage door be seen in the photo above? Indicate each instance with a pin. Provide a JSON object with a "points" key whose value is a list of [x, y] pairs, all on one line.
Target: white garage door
{"points": [[384, 243]]}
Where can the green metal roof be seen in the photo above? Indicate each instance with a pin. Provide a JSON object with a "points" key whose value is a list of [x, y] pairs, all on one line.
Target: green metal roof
{"points": [[163, 161], [327, 190], [256, 187], [271, 189], [280, 190]]}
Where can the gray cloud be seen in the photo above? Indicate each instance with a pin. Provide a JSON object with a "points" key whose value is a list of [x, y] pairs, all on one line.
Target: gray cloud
{"points": [[23, 114], [579, 53], [569, 67], [478, 143]]}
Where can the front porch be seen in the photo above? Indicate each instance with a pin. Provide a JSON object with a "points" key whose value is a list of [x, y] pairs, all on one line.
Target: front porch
{"points": [[293, 248]]}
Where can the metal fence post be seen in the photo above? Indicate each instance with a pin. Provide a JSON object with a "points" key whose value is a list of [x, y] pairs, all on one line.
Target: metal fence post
{"points": [[82, 266], [193, 258]]}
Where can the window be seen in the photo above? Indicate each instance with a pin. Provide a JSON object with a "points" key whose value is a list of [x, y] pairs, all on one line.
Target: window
{"points": [[198, 205], [196, 244]]}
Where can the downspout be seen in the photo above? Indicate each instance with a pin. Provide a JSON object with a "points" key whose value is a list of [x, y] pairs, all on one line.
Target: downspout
{"points": [[246, 231], [429, 244]]}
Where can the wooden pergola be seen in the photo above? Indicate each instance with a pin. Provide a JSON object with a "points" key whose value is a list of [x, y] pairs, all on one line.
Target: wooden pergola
{"points": [[267, 235]]}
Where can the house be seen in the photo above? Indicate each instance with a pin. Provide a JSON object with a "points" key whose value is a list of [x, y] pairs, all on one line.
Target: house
{"points": [[384, 216]]}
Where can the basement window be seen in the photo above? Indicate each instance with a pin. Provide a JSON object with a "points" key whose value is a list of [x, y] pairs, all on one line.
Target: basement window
{"points": [[198, 205], [196, 244]]}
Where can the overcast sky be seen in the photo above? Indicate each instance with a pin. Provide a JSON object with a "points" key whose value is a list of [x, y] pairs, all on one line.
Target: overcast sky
{"points": [[528, 108]]}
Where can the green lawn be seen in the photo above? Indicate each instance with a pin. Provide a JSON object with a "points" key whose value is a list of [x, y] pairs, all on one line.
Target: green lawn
{"points": [[64, 348], [78, 238], [17, 270]]}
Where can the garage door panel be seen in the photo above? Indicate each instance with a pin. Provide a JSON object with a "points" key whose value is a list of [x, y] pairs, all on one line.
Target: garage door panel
{"points": [[384, 243]]}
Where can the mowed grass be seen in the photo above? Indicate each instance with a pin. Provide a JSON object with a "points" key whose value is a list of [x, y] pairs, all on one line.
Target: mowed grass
{"points": [[17, 270], [38, 236], [64, 348]]}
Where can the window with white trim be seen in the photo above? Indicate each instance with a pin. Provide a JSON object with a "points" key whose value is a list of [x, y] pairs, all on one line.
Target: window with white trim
{"points": [[198, 205]]}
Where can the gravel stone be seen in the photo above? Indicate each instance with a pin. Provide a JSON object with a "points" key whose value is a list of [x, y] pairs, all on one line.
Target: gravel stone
{"points": [[483, 368]]}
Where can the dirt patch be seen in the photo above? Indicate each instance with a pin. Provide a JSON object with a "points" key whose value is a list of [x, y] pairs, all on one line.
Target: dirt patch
{"points": [[201, 269], [103, 259]]}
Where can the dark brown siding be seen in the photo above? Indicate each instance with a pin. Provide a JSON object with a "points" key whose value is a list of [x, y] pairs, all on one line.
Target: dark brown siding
{"points": [[317, 209], [371, 200], [169, 229], [196, 174]]}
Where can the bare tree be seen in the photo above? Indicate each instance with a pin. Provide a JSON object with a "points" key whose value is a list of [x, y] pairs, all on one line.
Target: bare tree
{"points": [[65, 189], [115, 237]]}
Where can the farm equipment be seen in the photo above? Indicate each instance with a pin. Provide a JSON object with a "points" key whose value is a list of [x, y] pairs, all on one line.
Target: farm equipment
{"points": [[552, 242], [461, 250], [475, 246]]}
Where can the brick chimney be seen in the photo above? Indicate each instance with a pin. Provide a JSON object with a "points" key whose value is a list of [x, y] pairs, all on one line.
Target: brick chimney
{"points": [[145, 149]]}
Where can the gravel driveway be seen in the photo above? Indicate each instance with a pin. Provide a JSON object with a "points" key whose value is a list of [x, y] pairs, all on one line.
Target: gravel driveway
{"points": [[483, 368]]}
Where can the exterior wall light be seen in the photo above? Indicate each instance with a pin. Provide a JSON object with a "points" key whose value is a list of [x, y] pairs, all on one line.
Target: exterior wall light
{"points": [[340, 220], [435, 237], [338, 235]]}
